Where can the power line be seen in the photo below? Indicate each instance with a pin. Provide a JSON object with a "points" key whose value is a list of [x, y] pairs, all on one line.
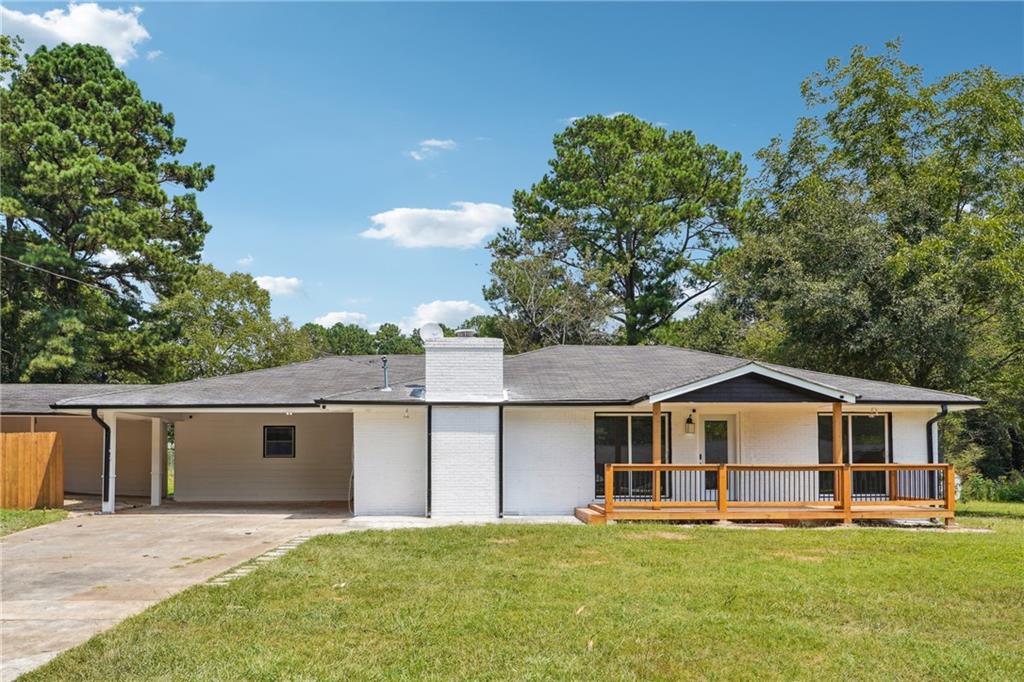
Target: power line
{"points": [[68, 277]]}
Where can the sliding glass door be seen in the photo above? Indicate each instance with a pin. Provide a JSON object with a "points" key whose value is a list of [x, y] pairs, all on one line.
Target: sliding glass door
{"points": [[866, 436], [628, 439]]}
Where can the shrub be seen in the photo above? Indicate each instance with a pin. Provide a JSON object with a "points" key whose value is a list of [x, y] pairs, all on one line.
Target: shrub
{"points": [[1006, 489]]}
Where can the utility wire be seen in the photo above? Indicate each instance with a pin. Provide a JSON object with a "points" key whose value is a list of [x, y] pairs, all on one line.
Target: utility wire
{"points": [[68, 277]]}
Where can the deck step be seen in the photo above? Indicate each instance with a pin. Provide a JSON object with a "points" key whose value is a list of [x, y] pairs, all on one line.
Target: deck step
{"points": [[599, 508], [590, 516]]}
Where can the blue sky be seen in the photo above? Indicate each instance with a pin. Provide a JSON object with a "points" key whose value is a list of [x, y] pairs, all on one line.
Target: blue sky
{"points": [[321, 116]]}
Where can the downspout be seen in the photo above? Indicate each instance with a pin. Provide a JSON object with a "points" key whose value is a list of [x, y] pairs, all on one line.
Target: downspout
{"points": [[501, 461], [106, 453], [933, 447], [429, 439]]}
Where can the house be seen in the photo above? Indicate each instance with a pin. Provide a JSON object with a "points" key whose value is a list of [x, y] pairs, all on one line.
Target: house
{"points": [[27, 408], [611, 431]]}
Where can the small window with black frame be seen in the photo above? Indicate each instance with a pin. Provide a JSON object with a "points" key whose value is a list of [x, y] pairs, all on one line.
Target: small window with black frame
{"points": [[278, 441]]}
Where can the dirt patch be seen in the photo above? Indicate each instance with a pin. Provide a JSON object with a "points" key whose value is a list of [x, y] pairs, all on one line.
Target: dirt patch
{"points": [[503, 541], [660, 535]]}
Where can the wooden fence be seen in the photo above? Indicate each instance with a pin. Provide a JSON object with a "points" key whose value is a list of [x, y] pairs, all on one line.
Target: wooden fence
{"points": [[31, 470]]}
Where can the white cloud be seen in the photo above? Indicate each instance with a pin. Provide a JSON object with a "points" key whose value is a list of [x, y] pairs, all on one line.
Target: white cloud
{"points": [[449, 313], [431, 147], [246, 261], [109, 257], [331, 319], [690, 309], [280, 286], [154, 54], [465, 226], [116, 29]]}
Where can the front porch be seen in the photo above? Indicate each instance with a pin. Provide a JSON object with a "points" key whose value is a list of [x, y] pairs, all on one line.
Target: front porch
{"points": [[780, 492]]}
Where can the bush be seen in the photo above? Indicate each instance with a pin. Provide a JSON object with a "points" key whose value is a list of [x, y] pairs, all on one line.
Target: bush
{"points": [[1006, 489]]}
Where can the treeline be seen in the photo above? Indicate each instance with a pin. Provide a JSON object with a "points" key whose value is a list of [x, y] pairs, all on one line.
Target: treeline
{"points": [[883, 237]]}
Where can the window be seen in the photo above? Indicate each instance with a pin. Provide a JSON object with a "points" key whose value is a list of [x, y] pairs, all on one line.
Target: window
{"points": [[278, 441], [867, 437], [627, 439]]}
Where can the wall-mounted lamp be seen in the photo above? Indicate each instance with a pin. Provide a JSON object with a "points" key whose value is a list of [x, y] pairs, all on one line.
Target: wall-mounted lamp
{"points": [[690, 426]]}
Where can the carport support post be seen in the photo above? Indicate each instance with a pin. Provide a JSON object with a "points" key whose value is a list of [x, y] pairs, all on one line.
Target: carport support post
{"points": [[155, 461], [108, 502]]}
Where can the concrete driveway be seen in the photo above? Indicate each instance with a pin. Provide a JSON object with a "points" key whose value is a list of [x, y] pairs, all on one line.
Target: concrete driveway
{"points": [[64, 582]]}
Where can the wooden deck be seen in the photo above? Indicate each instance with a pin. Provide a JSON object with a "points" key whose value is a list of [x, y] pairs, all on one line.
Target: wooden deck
{"points": [[827, 492]]}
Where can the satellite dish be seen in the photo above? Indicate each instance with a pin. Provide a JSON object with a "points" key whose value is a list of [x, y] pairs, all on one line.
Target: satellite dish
{"points": [[431, 331]]}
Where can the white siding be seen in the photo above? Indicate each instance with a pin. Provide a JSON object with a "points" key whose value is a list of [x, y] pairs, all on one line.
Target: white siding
{"points": [[390, 455], [909, 436], [779, 436], [549, 459], [219, 457], [464, 461]]}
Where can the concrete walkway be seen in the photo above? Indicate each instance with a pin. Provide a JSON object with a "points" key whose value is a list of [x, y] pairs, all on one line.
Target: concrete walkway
{"points": [[65, 582]]}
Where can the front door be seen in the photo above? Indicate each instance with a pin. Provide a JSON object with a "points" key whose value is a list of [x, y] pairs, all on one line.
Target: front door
{"points": [[717, 446]]}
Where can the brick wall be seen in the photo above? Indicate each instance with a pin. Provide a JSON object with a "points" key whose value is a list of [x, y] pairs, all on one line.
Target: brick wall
{"points": [[464, 461], [390, 460]]}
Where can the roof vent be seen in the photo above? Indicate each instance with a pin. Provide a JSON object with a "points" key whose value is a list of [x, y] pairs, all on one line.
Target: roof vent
{"points": [[384, 366], [465, 333]]}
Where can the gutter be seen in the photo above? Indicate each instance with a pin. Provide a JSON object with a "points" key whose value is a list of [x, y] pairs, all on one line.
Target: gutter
{"points": [[933, 447], [106, 453]]}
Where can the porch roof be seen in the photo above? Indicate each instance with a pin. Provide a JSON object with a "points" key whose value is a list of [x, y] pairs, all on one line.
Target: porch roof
{"points": [[555, 375]]}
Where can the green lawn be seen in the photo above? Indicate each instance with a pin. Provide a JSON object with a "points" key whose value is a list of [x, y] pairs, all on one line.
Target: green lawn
{"points": [[13, 520], [991, 509], [614, 602]]}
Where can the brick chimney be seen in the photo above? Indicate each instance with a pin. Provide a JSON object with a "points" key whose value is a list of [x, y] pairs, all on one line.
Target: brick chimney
{"points": [[464, 369]]}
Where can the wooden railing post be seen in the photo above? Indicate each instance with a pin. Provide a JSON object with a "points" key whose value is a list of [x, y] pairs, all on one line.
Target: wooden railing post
{"points": [[950, 488], [894, 485], [847, 494], [723, 487], [837, 487], [609, 490]]}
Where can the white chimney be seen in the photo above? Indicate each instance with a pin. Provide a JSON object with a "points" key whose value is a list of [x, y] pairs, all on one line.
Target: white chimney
{"points": [[464, 369]]}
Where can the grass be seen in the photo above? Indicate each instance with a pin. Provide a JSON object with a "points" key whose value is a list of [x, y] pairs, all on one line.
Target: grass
{"points": [[991, 509], [13, 520], [615, 602]]}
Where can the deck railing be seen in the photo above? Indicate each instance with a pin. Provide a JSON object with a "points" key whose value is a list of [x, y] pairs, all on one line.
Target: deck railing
{"points": [[734, 487]]}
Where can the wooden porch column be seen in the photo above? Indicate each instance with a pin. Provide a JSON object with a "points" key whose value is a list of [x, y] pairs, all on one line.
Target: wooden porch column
{"points": [[837, 433], [837, 449], [656, 454]]}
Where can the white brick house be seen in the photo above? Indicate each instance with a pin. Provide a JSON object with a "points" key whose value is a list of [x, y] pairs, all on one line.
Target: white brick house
{"points": [[465, 430]]}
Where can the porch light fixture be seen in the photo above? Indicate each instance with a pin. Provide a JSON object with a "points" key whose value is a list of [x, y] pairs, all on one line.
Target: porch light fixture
{"points": [[690, 426]]}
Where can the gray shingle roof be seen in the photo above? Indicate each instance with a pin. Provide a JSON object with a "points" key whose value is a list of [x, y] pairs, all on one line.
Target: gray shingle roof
{"points": [[558, 374], [302, 383], [37, 398]]}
